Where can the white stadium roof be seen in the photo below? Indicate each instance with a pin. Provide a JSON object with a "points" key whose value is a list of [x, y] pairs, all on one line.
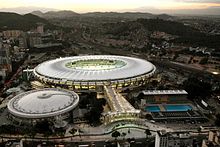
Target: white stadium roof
{"points": [[123, 67], [43, 103], [163, 92]]}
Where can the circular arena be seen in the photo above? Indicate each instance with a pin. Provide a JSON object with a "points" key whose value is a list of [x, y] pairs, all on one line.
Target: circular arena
{"points": [[37, 105], [91, 72]]}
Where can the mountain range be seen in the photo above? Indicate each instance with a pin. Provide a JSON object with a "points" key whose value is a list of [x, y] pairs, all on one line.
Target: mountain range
{"points": [[29, 21], [125, 15], [22, 22], [55, 14], [213, 10]]}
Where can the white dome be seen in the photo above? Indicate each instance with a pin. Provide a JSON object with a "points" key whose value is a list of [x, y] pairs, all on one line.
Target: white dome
{"points": [[43, 103], [94, 68]]}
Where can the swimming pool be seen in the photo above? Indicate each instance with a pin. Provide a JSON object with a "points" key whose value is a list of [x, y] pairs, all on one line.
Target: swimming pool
{"points": [[152, 108], [170, 108]]}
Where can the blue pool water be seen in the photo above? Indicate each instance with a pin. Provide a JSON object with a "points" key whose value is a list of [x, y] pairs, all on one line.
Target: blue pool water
{"points": [[170, 108], [152, 108]]}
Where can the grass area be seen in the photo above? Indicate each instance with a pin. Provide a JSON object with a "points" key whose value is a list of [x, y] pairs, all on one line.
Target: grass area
{"points": [[96, 64]]}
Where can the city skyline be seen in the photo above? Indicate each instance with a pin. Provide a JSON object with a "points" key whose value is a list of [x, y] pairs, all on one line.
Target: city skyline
{"points": [[113, 5]]}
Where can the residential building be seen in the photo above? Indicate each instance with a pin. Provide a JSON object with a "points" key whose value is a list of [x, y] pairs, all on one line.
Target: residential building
{"points": [[22, 39], [12, 33], [40, 28], [34, 39], [164, 139], [5, 62], [212, 140]]}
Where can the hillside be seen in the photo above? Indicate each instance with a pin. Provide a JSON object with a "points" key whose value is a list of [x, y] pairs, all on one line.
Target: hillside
{"points": [[169, 27], [128, 15], [137, 30], [21, 22], [56, 14], [125, 15]]}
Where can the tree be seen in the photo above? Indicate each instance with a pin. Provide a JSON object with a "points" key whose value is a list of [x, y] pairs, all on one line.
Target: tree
{"points": [[196, 88], [93, 116], [73, 131], [147, 132], [102, 101], [199, 130], [116, 134], [148, 116], [43, 127], [203, 60], [154, 83], [32, 132], [140, 96], [217, 121], [123, 135], [84, 100], [175, 56]]}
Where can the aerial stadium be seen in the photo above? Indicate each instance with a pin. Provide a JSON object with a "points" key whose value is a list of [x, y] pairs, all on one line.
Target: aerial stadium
{"points": [[50, 104], [105, 74], [93, 72]]}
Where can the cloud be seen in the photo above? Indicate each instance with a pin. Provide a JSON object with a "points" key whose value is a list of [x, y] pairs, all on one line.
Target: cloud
{"points": [[24, 10], [200, 1], [214, 10]]}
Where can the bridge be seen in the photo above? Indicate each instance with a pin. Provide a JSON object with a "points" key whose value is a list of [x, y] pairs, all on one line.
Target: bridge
{"points": [[121, 109]]}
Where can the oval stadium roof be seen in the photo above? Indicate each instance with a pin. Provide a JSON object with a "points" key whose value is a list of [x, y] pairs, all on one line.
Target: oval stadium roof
{"points": [[94, 68]]}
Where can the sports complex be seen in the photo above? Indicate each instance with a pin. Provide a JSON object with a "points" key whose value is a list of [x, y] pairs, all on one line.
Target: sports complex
{"points": [[104, 74], [94, 72]]}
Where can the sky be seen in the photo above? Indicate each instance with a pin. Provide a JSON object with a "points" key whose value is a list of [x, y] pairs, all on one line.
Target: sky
{"points": [[110, 5]]}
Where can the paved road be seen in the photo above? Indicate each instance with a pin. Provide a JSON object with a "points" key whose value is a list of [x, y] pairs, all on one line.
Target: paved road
{"points": [[130, 142]]}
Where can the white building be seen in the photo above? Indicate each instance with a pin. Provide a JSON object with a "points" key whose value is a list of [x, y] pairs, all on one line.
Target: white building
{"points": [[94, 72], [45, 104]]}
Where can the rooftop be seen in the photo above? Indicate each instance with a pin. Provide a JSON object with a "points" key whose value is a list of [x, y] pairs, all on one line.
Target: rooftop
{"points": [[94, 68], [163, 92], [43, 103]]}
